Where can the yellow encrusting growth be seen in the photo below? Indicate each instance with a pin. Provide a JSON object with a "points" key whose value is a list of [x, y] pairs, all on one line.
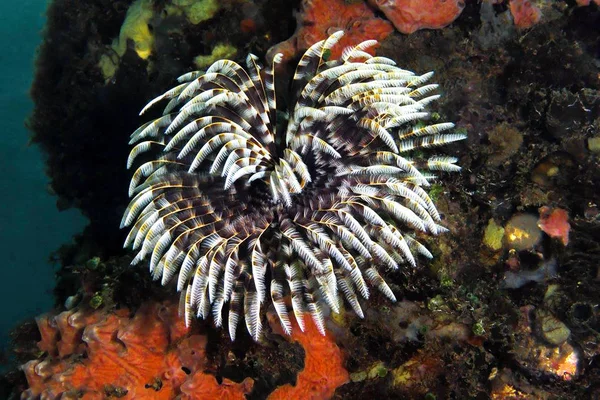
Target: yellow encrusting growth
{"points": [[220, 51], [135, 28], [195, 11], [108, 65], [492, 237], [594, 144]]}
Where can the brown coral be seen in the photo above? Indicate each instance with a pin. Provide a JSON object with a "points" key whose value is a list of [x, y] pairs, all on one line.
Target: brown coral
{"points": [[320, 18], [97, 355]]}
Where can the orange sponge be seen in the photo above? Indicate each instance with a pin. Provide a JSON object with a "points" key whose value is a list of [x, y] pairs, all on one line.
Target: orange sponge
{"points": [[323, 364], [98, 354], [320, 18], [409, 16]]}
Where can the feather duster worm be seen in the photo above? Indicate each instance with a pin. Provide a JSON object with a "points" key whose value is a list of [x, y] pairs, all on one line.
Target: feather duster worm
{"points": [[245, 213]]}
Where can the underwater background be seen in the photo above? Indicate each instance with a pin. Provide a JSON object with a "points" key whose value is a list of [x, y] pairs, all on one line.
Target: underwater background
{"points": [[31, 227], [504, 305]]}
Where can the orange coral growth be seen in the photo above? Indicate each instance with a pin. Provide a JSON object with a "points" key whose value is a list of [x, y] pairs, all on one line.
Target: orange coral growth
{"points": [[61, 334], [323, 364], [48, 332], [555, 222], [205, 386], [70, 325], [524, 13], [409, 16], [320, 18], [149, 356]]}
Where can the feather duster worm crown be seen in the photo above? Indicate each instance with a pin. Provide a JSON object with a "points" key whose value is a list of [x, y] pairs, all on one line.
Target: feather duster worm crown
{"points": [[246, 214]]}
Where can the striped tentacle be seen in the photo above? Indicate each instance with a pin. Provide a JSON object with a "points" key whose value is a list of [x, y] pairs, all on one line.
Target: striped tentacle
{"points": [[244, 215]]}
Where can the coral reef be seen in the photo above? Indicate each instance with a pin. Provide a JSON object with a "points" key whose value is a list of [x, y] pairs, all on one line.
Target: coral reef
{"points": [[484, 319], [409, 16]]}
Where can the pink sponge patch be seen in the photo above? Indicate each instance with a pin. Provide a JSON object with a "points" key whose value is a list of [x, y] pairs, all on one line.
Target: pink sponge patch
{"points": [[555, 222]]}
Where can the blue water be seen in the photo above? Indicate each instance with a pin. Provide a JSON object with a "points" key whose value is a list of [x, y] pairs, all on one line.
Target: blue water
{"points": [[30, 225]]}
